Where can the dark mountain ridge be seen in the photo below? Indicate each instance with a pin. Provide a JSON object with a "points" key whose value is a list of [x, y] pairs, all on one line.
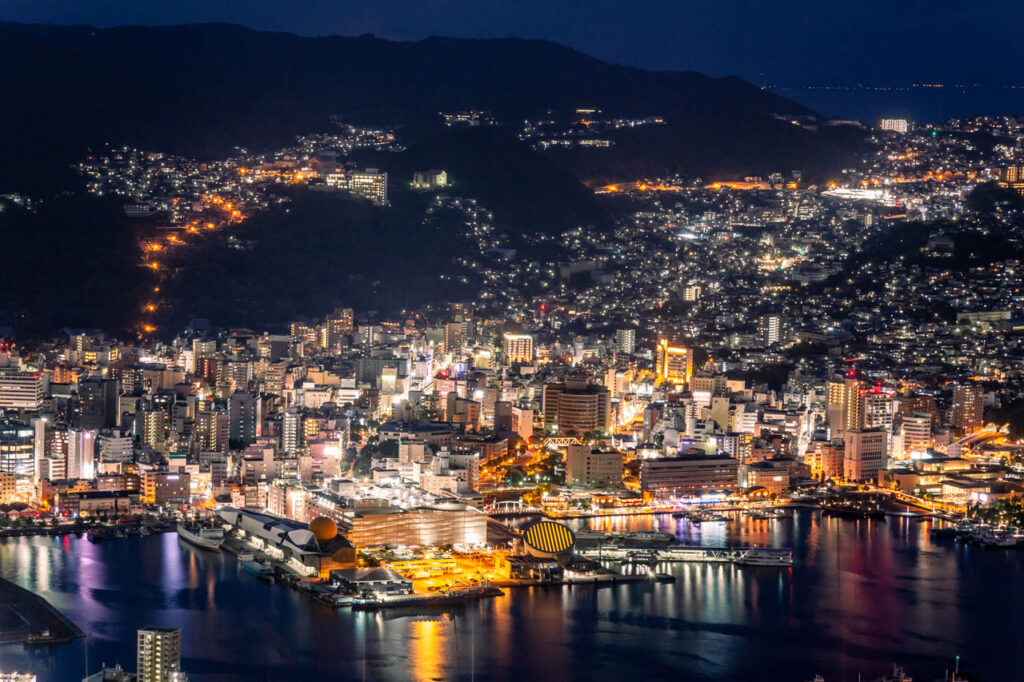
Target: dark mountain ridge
{"points": [[203, 89]]}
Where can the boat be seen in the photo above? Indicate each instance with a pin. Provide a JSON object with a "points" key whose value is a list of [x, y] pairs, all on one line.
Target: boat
{"points": [[944, 532], [46, 637], [144, 530], [766, 557], [204, 537], [259, 570], [680, 514], [851, 511], [375, 602], [649, 536], [97, 535], [663, 577]]}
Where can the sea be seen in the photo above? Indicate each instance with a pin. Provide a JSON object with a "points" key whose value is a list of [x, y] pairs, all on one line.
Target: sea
{"points": [[861, 596]]}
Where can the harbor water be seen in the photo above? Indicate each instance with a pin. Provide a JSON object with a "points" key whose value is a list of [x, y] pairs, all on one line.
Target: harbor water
{"points": [[861, 596]]}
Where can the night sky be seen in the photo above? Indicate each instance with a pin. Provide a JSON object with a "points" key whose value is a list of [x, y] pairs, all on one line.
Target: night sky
{"points": [[775, 43]]}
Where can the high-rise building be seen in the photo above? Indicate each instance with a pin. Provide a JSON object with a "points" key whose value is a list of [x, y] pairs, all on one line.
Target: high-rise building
{"points": [[81, 453], [877, 409], [576, 407], [518, 349], [688, 475], [17, 448], [158, 652], [917, 432], [673, 363], [114, 447], [844, 404], [588, 468], [212, 430], [968, 406], [369, 184], [772, 329], [291, 430], [98, 405], [453, 336], [625, 340], [244, 417], [865, 451], [151, 426], [20, 390]]}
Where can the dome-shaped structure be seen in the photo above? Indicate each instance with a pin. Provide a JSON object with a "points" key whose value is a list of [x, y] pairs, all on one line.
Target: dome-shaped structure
{"points": [[549, 539], [324, 529]]}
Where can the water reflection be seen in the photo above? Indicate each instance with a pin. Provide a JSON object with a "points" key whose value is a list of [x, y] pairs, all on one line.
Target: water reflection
{"points": [[860, 596]]}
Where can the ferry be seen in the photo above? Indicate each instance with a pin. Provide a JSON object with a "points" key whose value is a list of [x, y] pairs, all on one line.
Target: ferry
{"points": [[766, 557], [203, 537]]}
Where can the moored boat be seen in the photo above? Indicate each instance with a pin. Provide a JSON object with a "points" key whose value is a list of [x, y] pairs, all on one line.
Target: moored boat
{"points": [[259, 570], [204, 537]]}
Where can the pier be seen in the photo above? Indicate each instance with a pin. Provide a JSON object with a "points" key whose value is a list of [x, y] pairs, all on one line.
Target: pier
{"points": [[24, 615], [690, 554]]}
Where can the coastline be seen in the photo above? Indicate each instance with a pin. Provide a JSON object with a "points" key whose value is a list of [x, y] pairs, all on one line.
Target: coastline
{"points": [[36, 615]]}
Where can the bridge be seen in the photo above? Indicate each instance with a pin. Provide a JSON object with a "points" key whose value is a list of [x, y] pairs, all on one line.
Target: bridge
{"points": [[555, 442], [510, 508]]}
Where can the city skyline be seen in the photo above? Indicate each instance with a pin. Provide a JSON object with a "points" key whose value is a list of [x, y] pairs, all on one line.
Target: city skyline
{"points": [[461, 358]]}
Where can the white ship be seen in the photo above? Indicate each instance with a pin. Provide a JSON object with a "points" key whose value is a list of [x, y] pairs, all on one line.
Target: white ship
{"points": [[201, 536], [766, 557]]}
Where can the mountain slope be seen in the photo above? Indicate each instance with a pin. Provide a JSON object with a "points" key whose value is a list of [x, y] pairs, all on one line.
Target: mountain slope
{"points": [[203, 89]]}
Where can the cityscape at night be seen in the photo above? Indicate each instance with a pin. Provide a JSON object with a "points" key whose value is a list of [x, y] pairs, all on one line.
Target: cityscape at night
{"points": [[459, 341]]}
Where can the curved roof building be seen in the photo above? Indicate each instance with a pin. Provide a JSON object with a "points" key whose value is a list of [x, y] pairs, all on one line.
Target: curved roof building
{"points": [[548, 539]]}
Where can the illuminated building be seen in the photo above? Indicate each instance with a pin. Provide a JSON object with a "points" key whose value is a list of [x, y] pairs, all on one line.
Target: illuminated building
{"points": [[576, 407], [20, 390], [917, 432], [212, 430], [864, 453], [369, 184], [81, 453], [587, 468], [1013, 178], [92, 502], [431, 179], [151, 426], [442, 524], [674, 363], [968, 407], [896, 125], [313, 549], [844, 404], [17, 448], [164, 487], [158, 653], [772, 329], [548, 540], [688, 475], [243, 417], [625, 340], [518, 349], [876, 409]]}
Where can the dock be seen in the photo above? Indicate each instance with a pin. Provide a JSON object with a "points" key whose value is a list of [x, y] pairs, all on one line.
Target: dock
{"points": [[24, 614]]}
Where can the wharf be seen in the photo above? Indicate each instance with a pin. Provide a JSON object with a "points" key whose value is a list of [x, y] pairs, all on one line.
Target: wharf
{"points": [[691, 554], [24, 613], [596, 580]]}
